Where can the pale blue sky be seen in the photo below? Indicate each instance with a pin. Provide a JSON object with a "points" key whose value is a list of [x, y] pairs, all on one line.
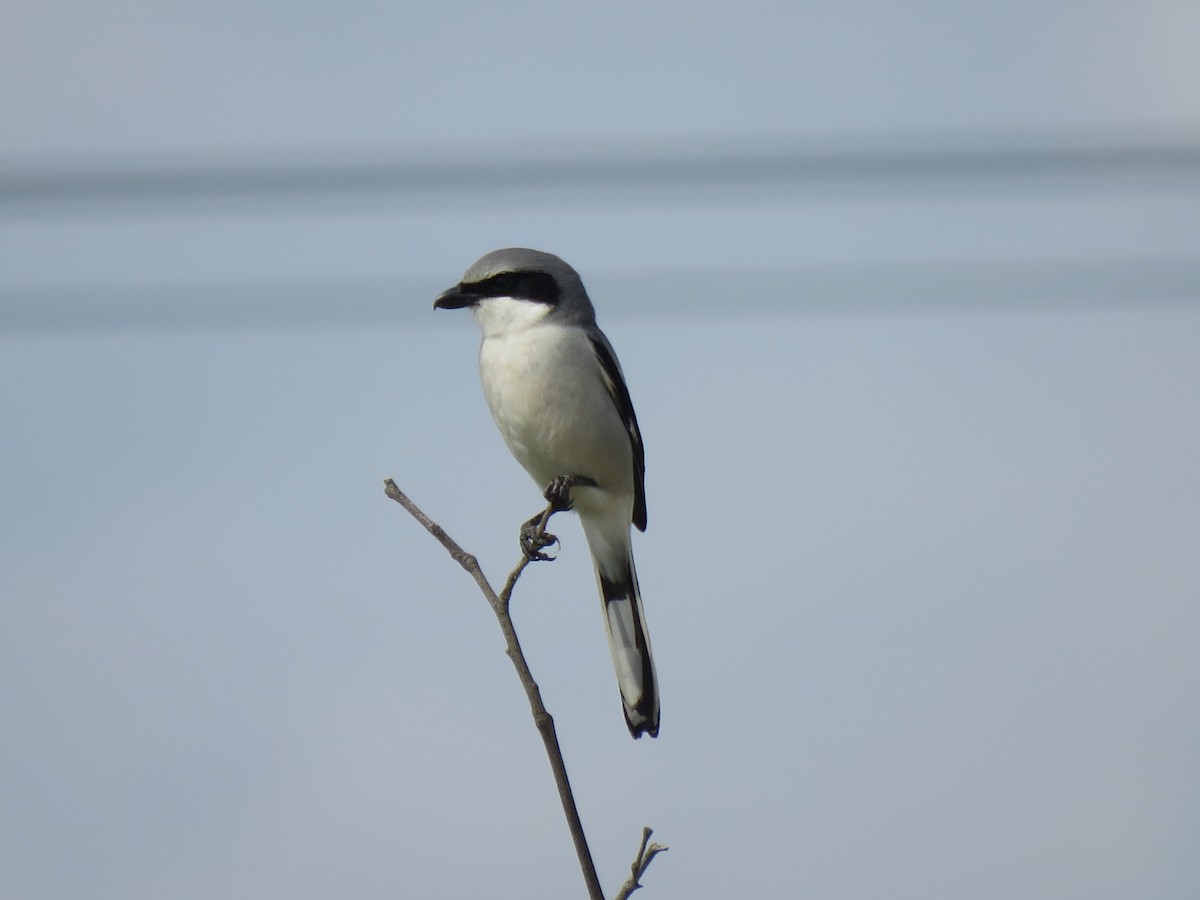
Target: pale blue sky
{"points": [[921, 569]]}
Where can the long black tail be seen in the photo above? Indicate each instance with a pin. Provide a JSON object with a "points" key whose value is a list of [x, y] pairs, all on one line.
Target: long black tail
{"points": [[630, 645]]}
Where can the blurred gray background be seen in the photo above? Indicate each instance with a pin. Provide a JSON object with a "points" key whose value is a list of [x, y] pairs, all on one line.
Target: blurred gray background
{"points": [[908, 299]]}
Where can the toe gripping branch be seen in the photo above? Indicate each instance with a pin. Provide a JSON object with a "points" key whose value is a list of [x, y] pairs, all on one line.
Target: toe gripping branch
{"points": [[534, 537]]}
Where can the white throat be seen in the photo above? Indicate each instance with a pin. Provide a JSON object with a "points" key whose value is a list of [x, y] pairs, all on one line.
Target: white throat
{"points": [[500, 316]]}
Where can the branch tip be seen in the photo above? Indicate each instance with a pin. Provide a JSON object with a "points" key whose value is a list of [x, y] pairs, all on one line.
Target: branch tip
{"points": [[641, 862]]}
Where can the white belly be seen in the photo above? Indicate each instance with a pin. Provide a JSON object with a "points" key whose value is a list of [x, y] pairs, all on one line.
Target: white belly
{"points": [[544, 388]]}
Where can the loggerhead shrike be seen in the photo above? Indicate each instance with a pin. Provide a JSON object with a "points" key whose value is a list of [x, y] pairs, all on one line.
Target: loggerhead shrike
{"points": [[555, 389]]}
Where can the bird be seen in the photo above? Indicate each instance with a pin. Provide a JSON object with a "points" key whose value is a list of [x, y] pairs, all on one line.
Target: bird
{"points": [[559, 399]]}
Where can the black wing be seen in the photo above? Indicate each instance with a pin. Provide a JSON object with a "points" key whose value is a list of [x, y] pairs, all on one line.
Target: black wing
{"points": [[615, 383]]}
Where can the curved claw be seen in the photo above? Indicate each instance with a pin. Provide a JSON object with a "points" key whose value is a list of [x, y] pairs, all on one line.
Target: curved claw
{"points": [[533, 543]]}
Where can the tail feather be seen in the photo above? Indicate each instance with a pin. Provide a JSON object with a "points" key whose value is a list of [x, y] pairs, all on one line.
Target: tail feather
{"points": [[630, 645]]}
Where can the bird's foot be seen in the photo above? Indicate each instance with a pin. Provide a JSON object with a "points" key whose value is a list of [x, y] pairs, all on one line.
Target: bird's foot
{"points": [[558, 492], [535, 539]]}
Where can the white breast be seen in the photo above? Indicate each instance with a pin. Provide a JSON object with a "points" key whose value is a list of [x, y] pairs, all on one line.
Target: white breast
{"points": [[544, 388]]}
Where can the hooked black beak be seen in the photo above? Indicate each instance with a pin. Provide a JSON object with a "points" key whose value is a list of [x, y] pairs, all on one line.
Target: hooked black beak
{"points": [[455, 298]]}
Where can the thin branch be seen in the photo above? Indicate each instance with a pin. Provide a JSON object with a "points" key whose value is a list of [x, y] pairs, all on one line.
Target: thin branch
{"points": [[641, 862], [461, 556], [511, 582], [541, 718]]}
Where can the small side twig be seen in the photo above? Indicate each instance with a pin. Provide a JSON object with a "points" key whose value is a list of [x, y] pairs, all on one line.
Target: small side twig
{"points": [[641, 862]]}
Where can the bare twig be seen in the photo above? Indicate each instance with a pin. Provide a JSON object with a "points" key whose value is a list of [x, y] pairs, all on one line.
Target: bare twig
{"points": [[641, 862], [542, 718]]}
